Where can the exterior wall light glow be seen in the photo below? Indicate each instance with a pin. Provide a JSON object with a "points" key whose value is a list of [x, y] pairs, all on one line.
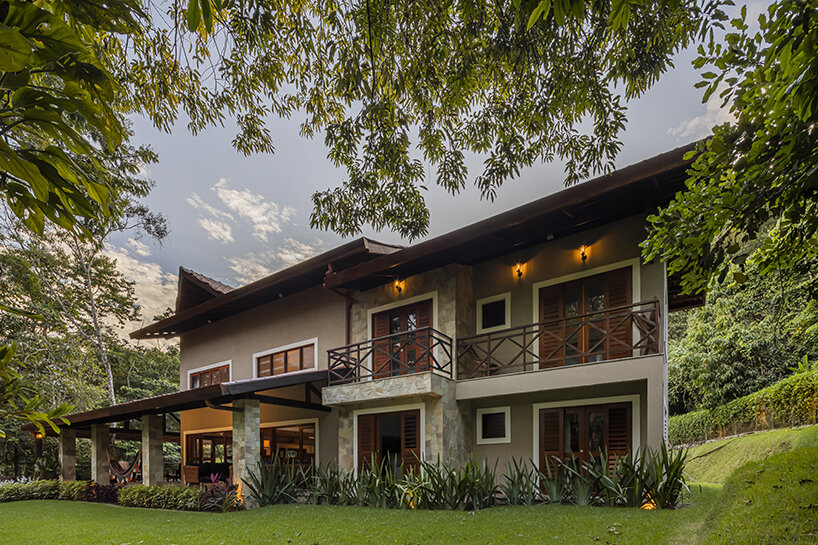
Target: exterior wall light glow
{"points": [[518, 270], [583, 253], [398, 287]]}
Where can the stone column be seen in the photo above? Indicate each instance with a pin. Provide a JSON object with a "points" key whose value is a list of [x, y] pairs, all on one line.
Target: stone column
{"points": [[153, 461], [100, 439], [68, 455], [246, 442]]}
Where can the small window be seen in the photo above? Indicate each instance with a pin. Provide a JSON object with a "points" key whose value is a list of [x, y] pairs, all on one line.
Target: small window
{"points": [[493, 425], [494, 313], [286, 361], [211, 376]]}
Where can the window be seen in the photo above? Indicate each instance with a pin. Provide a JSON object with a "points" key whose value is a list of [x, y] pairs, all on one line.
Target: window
{"points": [[293, 445], [494, 313], [394, 437], [286, 361], [209, 448], [214, 375], [494, 425]]}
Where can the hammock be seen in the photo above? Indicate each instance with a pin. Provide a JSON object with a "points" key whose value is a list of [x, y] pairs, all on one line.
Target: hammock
{"points": [[124, 472]]}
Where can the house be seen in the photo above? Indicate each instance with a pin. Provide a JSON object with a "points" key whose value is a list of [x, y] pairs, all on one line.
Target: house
{"points": [[538, 332]]}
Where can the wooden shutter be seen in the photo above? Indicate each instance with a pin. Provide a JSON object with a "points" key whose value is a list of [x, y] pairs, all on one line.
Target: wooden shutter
{"points": [[423, 312], [410, 440], [381, 350], [367, 440], [551, 436], [619, 431], [620, 324], [552, 336]]}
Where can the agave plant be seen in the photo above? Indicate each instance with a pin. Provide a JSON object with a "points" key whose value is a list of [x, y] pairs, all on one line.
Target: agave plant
{"points": [[272, 483], [554, 481], [519, 484]]}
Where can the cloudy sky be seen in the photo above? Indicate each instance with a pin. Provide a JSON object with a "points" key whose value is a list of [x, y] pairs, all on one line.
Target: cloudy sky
{"points": [[238, 218]]}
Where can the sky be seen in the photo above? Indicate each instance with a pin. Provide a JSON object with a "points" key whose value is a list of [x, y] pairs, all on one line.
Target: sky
{"points": [[238, 219]]}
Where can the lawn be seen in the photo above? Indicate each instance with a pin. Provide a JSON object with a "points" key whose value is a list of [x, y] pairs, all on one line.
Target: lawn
{"points": [[73, 523], [769, 497], [714, 462]]}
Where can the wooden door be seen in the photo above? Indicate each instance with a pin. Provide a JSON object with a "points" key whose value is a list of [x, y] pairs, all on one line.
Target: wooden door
{"points": [[370, 440], [585, 433], [405, 351], [576, 327]]}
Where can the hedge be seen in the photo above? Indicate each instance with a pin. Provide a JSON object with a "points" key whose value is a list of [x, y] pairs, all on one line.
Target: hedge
{"points": [[179, 498], [790, 402]]}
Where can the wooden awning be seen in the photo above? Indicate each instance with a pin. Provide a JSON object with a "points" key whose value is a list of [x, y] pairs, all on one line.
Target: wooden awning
{"points": [[207, 396]]}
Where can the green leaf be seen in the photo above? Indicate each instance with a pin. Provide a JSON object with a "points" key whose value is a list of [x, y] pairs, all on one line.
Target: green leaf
{"points": [[194, 15], [15, 50], [542, 8], [207, 15]]}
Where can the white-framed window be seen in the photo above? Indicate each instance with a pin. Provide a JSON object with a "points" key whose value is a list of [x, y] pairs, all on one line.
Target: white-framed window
{"points": [[494, 313], [494, 425], [208, 375], [292, 358]]}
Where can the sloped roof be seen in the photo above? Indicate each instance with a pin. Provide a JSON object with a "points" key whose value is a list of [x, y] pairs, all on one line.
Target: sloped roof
{"points": [[307, 274], [218, 288]]}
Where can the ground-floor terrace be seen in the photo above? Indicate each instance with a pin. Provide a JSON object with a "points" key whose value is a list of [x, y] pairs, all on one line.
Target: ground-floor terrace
{"points": [[227, 429]]}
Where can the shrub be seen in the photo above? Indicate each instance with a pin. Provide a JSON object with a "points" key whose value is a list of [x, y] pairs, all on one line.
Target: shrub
{"points": [[519, 484], [219, 496], [790, 402], [270, 484], [101, 493], [174, 497], [73, 490], [34, 490]]}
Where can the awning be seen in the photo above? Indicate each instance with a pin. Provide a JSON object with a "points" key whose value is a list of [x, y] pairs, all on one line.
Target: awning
{"points": [[214, 396]]}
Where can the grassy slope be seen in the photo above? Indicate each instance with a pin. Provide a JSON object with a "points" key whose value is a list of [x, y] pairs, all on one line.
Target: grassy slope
{"points": [[769, 502], [714, 462], [69, 523]]}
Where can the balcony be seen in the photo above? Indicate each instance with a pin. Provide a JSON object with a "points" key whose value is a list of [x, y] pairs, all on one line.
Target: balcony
{"points": [[421, 350], [608, 334]]}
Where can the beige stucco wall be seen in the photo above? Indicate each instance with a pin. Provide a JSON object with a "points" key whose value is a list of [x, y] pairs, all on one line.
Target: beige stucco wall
{"points": [[312, 313], [523, 418], [610, 244]]}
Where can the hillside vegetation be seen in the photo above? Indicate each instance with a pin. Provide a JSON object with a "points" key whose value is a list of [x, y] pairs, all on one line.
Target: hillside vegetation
{"points": [[713, 462]]}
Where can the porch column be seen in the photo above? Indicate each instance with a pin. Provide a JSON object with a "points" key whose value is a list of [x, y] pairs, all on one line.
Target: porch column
{"points": [[100, 439], [246, 442], [153, 460], [68, 455]]}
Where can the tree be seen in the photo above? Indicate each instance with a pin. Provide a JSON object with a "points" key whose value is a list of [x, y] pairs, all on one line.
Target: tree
{"points": [[746, 337], [755, 179]]}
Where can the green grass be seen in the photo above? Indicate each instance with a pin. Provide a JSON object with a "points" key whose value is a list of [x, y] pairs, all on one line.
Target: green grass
{"points": [[771, 498], [769, 502], [714, 462], [69, 523]]}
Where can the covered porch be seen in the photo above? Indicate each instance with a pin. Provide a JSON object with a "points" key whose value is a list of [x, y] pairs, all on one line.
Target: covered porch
{"points": [[241, 399]]}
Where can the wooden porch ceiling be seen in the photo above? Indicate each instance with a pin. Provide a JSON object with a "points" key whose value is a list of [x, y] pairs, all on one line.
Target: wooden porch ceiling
{"points": [[197, 398]]}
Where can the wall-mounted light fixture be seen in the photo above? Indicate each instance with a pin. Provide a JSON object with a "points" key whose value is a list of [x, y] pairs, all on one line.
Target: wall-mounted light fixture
{"points": [[398, 287], [518, 270], [583, 253], [38, 435]]}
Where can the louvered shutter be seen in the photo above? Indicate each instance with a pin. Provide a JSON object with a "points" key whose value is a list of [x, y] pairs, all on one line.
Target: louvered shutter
{"points": [[410, 440], [367, 440], [381, 349], [620, 324], [551, 436], [552, 336], [423, 312], [619, 432]]}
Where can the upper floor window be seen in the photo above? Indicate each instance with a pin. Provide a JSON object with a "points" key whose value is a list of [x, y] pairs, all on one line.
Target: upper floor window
{"points": [[286, 361], [494, 313], [214, 375]]}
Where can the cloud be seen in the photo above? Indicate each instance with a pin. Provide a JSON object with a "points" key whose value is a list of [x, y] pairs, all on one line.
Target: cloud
{"points": [[698, 127], [198, 203], [265, 216], [256, 265], [217, 230], [139, 248], [253, 266], [155, 289], [293, 251]]}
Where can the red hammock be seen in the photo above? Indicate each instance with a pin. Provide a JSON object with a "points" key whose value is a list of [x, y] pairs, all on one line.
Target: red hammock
{"points": [[122, 471]]}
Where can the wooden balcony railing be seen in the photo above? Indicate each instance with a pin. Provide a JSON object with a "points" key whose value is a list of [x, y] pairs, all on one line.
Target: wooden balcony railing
{"points": [[423, 349], [608, 334]]}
